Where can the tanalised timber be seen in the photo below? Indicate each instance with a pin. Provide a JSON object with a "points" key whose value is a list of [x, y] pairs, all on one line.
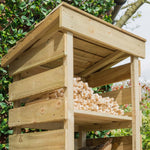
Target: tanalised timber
{"points": [[48, 140], [66, 17], [136, 139], [118, 143], [96, 30], [122, 96], [90, 117], [40, 83], [42, 112], [102, 63], [111, 75], [107, 126], [45, 51]]}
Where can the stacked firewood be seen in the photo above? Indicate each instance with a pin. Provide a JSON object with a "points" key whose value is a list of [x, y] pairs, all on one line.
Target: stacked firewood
{"points": [[85, 99]]}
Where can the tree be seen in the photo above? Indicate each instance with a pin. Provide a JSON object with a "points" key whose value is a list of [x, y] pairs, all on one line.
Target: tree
{"points": [[131, 10]]}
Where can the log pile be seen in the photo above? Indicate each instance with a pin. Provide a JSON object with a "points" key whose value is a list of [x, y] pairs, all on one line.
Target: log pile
{"points": [[85, 99]]}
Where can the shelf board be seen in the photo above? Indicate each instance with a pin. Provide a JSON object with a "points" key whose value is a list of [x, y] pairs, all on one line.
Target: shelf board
{"points": [[91, 117]]}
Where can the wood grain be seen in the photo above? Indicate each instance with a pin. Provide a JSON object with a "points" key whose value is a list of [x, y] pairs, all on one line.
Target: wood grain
{"points": [[37, 84], [90, 117], [107, 126], [108, 76], [48, 140], [102, 63], [122, 96], [49, 50], [93, 30], [135, 92], [91, 48], [68, 94], [118, 143], [41, 112]]}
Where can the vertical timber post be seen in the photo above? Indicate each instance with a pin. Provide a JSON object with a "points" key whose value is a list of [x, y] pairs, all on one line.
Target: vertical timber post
{"points": [[69, 104], [135, 93], [82, 138]]}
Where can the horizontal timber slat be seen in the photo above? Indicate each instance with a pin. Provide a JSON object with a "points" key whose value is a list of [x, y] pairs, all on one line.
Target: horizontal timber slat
{"points": [[95, 31], [111, 75], [37, 84], [91, 48], [107, 126], [47, 140], [108, 76], [49, 50], [86, 56], [118, 143], [46, 126], [42, 112], [122, 96], [102, 63]]}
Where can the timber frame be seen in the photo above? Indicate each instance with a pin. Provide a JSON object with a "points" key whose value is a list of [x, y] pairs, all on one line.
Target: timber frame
{"points": [[66, 44]]}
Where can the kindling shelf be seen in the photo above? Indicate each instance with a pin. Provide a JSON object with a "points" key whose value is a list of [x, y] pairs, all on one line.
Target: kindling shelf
{"points": [[87, 118]]}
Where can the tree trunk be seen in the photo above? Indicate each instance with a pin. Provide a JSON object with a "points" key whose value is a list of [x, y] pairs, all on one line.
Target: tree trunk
{"points": [[129, 12]]}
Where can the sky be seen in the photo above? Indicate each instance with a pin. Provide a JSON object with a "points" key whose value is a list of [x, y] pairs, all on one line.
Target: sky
{"points": [[141, 26]]}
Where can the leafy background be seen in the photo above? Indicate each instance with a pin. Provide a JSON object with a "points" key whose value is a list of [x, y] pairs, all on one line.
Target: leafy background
{"points": [[17, 18]]}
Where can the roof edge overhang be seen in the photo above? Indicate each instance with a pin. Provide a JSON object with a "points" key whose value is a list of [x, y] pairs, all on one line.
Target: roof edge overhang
{"points": [[41, 28]]}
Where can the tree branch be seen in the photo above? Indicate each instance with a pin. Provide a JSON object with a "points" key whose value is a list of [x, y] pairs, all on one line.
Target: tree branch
{"points": [[131, 4], [147, 2], [129, 13]]}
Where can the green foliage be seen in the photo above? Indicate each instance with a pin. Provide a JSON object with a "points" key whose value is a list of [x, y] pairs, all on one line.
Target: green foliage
{"points": [[102, 89], [17, 18], [145, 129]]}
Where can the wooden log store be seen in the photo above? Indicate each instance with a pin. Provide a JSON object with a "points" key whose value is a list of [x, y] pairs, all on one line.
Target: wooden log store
{"points": [[71, 43]]}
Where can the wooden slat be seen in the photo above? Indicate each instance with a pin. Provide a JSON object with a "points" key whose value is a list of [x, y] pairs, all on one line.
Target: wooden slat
{"points": [[32, 37], [122, 96], [33, 71], [118, 143], [46, 126], [77, 70], [93, 30], [41, 112], [37, 84], [107, 126], [85, 117], [45, 51], [81, 62], [135, 92], [91, 48], [115, 62], [48, 140], [108, 76], [102, 63], [86, 56]]}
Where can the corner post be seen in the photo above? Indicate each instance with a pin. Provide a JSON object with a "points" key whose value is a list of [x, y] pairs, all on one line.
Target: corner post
{"points": [[135, 94], [69, 104]]}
